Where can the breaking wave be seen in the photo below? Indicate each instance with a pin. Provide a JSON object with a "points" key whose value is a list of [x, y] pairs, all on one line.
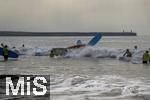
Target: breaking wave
{"points": [[102, 52]]}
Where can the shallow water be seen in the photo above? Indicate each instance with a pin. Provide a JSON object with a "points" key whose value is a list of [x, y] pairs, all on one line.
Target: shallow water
{"points": [[84, 78]]}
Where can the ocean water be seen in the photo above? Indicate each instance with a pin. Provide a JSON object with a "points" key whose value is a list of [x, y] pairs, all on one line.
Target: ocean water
{"points": [[98, 76]]}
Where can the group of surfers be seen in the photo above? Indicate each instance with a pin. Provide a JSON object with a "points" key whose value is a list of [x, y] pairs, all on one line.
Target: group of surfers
{"points": [[145, 58], [128, 53]]}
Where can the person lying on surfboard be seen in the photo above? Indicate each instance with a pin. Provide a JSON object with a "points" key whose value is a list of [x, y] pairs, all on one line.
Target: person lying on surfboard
{"points": [[92, 42], [63, 51], [78, 45]]}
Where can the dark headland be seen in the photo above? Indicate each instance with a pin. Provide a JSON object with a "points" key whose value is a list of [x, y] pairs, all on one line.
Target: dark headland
{"points": [[12, 33]]}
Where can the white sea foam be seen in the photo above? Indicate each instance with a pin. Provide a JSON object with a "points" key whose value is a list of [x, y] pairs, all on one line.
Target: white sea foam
{"points": [[102, 52], [100, 86]]}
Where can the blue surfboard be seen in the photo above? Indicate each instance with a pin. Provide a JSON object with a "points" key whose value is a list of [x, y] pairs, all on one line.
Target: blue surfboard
{"points": [[11, 54], [92, 42], [95, 40]]}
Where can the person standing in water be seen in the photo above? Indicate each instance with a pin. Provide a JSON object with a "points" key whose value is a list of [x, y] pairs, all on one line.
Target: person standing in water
{"points": [[135, 49], [5, 52], [146, 57], [23, 45], [127, 53]]}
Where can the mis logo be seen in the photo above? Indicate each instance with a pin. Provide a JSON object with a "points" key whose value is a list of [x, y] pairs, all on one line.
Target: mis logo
{"points": [[25, 86]]}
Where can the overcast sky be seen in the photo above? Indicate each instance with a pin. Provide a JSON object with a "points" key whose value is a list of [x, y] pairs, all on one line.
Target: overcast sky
{"points": [[75, 15]]}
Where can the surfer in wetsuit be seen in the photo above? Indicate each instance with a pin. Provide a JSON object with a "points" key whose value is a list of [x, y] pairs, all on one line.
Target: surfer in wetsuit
{"points": [[127, 53], [146, 57], [135, 49], [5, 52], [23, 46]]}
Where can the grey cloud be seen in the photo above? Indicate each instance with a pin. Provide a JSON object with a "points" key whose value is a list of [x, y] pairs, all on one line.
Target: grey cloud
{"points": [[75, 15]]}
